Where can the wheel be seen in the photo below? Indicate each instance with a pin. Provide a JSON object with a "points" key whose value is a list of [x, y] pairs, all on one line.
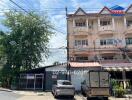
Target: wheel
{"points": [[83, 93], [55, 95], [105, 98], [72, 97], [88, 98]]}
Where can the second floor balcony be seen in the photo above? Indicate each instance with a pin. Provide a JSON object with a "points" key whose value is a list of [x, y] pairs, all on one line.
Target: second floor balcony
{"points": [[85, 30]]}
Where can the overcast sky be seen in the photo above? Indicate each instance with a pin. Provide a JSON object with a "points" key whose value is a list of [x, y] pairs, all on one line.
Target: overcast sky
{"points": [[56, 11]]}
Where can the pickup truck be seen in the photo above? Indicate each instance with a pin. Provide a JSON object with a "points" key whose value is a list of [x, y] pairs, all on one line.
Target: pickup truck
{"points": [[96, 85], [63, 88]]}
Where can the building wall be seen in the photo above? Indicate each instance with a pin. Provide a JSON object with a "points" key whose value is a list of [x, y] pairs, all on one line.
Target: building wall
{"points": [[118, 30], [52, 78], [53, 74]]}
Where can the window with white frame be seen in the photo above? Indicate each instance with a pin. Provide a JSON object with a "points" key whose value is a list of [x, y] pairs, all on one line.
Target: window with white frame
{"points": [[106, 42], [80, 23], [105, 22], [81, 42]]}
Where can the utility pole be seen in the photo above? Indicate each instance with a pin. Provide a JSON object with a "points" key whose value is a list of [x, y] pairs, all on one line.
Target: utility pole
{"points": [[67, 48]]}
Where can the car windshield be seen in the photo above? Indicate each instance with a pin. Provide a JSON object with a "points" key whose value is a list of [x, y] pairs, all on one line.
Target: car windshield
{"points": [[66, 83]]}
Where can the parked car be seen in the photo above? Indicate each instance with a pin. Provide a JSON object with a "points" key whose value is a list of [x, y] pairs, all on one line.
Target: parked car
{"points": [[63, 88], [96, 85]]}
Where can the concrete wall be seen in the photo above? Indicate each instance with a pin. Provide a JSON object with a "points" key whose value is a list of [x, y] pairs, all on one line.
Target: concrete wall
{"points": [[54, 73], [50, 79]]}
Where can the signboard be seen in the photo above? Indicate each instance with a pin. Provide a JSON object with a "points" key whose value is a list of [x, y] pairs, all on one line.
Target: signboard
{"points": [[30, 76], [117, 11], [54, 76]]}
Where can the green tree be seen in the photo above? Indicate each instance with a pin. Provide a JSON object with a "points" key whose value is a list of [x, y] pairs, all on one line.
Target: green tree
{"points": [[2, 49], [23, 44], [28, 38]]}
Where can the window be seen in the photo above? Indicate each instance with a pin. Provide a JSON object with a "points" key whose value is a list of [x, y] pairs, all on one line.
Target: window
{"points": [[104, 23], [80, 23], [107, 42], [79, 58], [81, 42], [129, 23], [107, 57], [102, 42], [66, 83], [128, 41]]}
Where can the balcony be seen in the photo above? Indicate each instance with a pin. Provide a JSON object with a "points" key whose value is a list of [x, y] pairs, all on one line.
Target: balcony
{"points": [[106, 30], [82, 31], [81, 49]]}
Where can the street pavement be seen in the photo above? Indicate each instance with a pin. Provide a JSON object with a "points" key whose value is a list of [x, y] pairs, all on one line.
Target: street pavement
{"points": [[28, 95], [7, 95]]}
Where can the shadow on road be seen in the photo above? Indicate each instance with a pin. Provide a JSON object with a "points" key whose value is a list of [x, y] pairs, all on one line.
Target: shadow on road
{"points": [[65, 98]]}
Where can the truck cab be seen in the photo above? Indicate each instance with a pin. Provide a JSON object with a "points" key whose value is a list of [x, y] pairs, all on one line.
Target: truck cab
{"points": [[96, 84]]}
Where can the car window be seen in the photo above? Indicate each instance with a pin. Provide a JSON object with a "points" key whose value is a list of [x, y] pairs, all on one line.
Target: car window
{"points": [[66, 83]]}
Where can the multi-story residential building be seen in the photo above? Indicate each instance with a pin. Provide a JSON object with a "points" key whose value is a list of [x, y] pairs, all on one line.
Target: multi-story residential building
{"points": [[93, 36], [104, 37]]}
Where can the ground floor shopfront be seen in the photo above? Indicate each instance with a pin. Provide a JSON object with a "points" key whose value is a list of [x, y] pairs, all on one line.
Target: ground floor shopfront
{"points": [[41, 79], [121, 72], [44, 78]]}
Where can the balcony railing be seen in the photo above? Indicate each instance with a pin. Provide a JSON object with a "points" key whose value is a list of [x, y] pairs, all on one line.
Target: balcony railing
{"points": [[82, 30], [106, 28]]}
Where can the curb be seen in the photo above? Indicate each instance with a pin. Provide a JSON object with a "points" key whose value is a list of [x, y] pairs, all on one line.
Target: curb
{"points": [[7, 90], [28, 93]]}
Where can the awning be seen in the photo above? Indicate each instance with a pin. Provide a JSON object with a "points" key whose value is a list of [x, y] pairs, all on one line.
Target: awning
{"points": [[84, 64], [117, 66]]}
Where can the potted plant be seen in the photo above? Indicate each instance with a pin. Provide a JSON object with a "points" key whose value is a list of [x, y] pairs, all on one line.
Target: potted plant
{"points": [[117, 88]]}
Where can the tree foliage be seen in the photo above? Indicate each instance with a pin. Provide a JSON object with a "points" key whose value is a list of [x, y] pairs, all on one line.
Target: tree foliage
{"points": [[28, 38], [23, 44]]}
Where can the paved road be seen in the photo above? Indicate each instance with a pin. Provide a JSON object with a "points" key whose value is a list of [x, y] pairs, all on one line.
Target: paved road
{"points": [[5, 95]]}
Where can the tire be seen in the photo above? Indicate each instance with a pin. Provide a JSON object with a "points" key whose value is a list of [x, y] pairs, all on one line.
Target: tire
{"points": [[105, 98], [88, 98], [55, 95], [71, 97], [83, 92]]}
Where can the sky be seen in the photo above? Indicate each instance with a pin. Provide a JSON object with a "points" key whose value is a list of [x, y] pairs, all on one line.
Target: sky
{"points": [[55, 9]]}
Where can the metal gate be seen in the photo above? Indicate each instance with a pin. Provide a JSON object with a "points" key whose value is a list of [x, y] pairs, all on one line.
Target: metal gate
{"points": [[31, 81], [38, 82]]}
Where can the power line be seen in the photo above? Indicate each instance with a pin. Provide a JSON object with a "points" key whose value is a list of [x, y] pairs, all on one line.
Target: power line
{"points": [[18, 6], [31, 14]]}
